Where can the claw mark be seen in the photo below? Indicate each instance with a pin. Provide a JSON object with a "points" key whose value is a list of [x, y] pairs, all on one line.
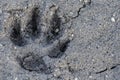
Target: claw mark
{"points": [[15, 34], [63, 46], [59, 50]]}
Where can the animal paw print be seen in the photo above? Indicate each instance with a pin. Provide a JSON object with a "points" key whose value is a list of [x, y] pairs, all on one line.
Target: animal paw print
{"points": [[51, 33]]}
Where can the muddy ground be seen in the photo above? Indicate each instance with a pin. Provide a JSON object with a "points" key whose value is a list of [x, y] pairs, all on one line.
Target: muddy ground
{"points": [[59, 39]]}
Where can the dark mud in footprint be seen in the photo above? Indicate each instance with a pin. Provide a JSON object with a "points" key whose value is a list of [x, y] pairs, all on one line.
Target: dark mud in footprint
{"points": [[55, 29], [32, 29], [55, 32], [15, 33], [59, 50], [32, 62]]}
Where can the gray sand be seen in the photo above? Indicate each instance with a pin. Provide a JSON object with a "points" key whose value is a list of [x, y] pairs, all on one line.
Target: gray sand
{"points": [[59, 39]]}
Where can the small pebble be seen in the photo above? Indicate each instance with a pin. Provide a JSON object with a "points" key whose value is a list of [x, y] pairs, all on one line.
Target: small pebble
{"points": [[112, 55], [93, 60], [57, 73], [76, 78], [4, 20], [15, 48], [81, 0], [87, 1], [106, 76], [22, 29], [57, 30], [16, 78], [90, 77], [113, 19], [71, 13], [16, 15], [72, 35]]}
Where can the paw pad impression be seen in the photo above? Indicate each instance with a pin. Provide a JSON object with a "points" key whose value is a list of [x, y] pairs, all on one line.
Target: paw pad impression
{"points": [[54, 31]]}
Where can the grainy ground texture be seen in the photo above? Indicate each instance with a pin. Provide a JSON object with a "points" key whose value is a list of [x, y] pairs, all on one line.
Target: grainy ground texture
{"points": [[59, 39]]}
